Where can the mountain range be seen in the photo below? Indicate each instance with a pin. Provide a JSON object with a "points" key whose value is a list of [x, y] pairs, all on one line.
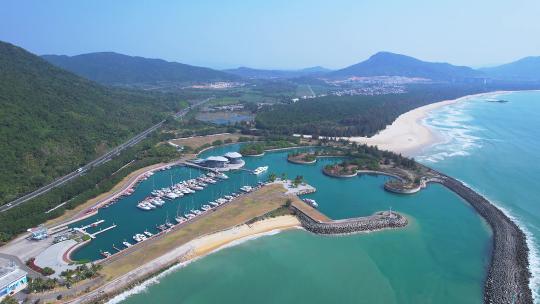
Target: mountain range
{"points": [[117, 69]]}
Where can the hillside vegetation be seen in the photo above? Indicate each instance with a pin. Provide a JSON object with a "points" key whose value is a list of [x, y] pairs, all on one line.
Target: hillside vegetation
{"points": [[118, 69], [52, 121], [352, 115]]}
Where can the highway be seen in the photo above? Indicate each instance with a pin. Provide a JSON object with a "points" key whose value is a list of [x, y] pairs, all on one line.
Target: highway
{"points": [[96, 162]]}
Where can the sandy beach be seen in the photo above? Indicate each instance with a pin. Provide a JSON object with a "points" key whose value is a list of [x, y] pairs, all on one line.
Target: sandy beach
{"points": [[408, 134], [190, 251]]}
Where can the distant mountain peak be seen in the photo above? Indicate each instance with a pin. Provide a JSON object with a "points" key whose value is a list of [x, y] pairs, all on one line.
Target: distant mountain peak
{"points": [[524, 69], [392, 64]]}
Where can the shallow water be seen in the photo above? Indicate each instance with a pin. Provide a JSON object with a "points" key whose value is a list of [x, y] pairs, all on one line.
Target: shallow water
{"points": [[440, 257]]}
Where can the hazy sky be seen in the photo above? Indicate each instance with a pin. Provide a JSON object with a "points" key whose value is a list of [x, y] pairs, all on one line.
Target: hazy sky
{"points": [[276, 33]]}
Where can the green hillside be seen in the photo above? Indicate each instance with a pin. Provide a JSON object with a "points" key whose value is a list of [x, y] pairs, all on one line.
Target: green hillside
{"points": [[52, 121], [118, 69]]}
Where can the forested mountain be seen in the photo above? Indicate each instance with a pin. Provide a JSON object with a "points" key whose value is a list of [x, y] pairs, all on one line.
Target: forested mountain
{"points": [[250, 73], [52, 121], [390, 64], [525, 69], [353, 115], [117, 69]]}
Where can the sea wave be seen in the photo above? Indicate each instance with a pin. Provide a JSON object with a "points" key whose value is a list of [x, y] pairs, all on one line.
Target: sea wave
{"points": [[534, 255], [460, 137], [143, 286], [457, 136]]}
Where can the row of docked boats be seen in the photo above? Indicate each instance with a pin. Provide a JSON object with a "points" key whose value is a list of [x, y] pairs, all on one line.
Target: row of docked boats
{"points": [[180, 189], [191, 214]]}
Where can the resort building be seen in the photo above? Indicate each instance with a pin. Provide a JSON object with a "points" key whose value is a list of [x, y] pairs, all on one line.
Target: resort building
{"points": [[230, 161], [216, 162], [12, 279], [234, 157]]}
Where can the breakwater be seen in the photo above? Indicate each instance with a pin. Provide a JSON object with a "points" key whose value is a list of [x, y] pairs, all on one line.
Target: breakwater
{"points": [[508, 276], [378, 221]]}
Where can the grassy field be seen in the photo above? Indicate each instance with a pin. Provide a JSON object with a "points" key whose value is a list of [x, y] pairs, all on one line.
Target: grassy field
{"points": [[235, 213]]}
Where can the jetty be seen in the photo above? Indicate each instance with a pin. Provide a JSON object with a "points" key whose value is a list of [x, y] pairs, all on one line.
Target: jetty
{"points": [[313, 221], [94, 224], [508, 276]]}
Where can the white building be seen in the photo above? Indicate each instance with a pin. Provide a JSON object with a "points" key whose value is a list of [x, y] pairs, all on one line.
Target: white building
{"points": [[12, 279]]}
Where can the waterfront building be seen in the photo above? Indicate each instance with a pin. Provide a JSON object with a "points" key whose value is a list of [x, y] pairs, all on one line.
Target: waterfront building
{"points": [[230, 161], [233, 157], [216, 162], [12, 279]]}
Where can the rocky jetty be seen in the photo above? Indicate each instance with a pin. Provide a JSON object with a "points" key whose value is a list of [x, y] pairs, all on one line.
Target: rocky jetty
{"points": [[508, 276], [377, 221]]}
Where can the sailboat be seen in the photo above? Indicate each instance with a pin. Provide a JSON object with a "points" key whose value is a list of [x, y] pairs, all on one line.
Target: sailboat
{"points": [[179, 219], [167, 222]]}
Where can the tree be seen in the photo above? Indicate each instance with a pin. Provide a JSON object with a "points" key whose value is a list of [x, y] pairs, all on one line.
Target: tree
{"points": [[47, 271], [272, 177]]}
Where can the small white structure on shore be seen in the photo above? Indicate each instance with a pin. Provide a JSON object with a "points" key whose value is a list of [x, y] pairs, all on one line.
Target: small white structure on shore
{"points": [[38, 233]]}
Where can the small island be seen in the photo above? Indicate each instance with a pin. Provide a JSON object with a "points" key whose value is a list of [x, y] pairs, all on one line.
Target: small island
{"points": [[407, 174], [302, 158]]}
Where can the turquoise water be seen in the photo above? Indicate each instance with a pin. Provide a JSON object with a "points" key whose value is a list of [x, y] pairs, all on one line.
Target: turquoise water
{"points": [[441, 257], [495, 148]]}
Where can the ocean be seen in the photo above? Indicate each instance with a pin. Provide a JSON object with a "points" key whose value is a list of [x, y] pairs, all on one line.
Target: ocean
{"points": [[441, 257]]}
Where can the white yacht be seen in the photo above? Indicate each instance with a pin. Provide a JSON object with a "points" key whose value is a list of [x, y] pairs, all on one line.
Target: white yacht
{"points": [[260, 170], [246, 188], [311, 202]]}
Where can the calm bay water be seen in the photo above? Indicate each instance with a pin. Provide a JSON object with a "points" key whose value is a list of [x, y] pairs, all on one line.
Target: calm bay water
{"points": [[441, 257]]}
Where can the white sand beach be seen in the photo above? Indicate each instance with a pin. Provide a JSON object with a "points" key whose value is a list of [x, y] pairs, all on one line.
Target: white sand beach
{"points": [[407, 134]]}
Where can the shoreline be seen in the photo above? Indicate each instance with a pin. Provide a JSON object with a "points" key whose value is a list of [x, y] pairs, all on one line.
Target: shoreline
{"points": [[409, 134], [509, 276], [189, 252]]}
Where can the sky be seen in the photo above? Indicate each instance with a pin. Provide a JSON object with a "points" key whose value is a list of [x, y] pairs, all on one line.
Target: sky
{"points": [[284, 34]]}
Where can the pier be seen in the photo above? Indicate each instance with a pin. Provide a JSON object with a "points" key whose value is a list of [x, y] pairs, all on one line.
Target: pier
{"points": [[312, 222], [94, 224], [93, 235]]}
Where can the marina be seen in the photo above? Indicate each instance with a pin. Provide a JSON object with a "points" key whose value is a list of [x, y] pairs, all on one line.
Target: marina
{"points": [[161, 200]]}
